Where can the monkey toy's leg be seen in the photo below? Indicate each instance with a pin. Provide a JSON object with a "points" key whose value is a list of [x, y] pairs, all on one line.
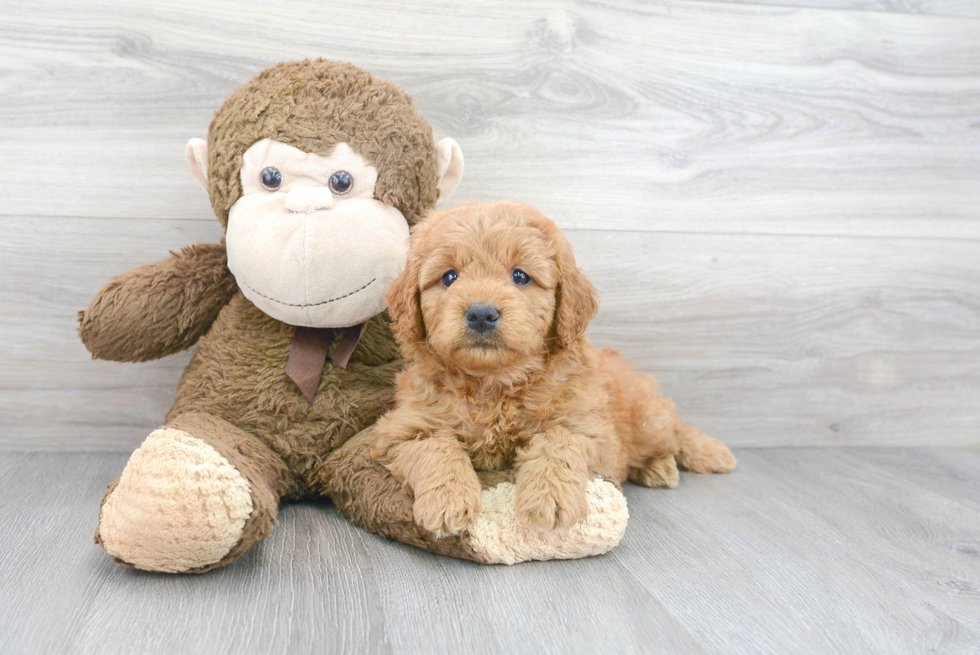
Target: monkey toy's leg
{"points": [[371, 497], [195, 495]]}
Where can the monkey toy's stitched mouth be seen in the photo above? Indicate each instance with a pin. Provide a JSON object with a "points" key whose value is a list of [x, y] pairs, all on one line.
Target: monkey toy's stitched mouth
{"points": [[314, 304]]}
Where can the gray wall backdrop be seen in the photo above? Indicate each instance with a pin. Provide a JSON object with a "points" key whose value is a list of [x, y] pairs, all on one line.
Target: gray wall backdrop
{"points": [[780, 202]]}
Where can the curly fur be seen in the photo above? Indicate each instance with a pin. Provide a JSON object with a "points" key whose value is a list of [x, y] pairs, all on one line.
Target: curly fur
{"points": [[533, 393]]}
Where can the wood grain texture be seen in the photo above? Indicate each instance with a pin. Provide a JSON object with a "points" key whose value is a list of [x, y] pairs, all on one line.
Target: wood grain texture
{"points": [[780, 204], [761, 340], [695, 116], [801, 550], [958, 8]]}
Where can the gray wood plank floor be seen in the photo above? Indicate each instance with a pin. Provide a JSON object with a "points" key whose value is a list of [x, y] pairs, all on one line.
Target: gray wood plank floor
{"points": [[801, 550]]}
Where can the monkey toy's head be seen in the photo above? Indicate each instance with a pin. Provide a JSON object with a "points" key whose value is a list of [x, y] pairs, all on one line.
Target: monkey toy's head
{"points": [[316, 169]]}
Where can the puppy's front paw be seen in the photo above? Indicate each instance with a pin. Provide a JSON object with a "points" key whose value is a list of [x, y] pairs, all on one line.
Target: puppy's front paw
{"points": [[550, 502], [446, 509]]}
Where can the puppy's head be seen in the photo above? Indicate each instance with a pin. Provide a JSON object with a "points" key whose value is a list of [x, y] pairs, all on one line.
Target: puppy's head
{"points": [[489, 287]]}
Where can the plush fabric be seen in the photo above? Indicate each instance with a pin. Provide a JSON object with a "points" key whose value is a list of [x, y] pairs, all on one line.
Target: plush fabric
{"points": [[159, 308], [315, 282], [241, 437], [314, 105], [497, 534], [307, 171], [145, 520], [363, 491]]}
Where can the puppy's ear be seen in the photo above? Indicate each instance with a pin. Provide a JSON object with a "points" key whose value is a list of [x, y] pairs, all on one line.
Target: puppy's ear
{"points": [[404, 297], [576, 299]]}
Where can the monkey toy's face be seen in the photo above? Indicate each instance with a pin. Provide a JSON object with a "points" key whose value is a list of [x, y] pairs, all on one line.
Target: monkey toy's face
{"points": [[316, 169], [307, 241]]}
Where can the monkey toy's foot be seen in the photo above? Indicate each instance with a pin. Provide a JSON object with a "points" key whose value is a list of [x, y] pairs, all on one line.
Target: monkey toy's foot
{"points": [[499, 537], [180, 505], [370, 496]]}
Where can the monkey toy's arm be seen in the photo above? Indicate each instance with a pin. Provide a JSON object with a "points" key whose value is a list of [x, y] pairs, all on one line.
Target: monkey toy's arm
{"points": [[160, 308]]}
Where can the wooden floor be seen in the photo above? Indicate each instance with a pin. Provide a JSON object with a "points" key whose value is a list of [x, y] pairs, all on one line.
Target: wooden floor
{"points": [[801, 550], [777, 199]]}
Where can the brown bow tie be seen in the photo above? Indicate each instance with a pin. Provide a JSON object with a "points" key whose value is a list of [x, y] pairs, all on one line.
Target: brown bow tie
{"points": [[308, 354]]}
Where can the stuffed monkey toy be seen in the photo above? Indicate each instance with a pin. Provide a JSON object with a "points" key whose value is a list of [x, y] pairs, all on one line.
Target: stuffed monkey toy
{"points": [[316, 170]]}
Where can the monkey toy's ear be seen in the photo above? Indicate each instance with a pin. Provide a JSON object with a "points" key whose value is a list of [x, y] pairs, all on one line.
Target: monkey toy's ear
{"points": [[197, 158], [449, 166]]}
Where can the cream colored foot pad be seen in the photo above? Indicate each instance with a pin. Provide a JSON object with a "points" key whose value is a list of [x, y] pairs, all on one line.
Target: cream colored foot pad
{"points": [[497, 535], [179, 505]]}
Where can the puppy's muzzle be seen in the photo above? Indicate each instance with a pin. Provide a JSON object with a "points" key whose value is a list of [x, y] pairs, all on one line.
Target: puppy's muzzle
{"points": [[482, 318]]}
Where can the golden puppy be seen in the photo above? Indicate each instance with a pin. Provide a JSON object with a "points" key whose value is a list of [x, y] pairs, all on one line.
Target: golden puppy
{"points": [[491, 311]]}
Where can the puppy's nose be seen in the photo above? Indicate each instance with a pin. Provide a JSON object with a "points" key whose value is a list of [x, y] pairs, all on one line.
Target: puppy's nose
{"points": [[482, 318]]}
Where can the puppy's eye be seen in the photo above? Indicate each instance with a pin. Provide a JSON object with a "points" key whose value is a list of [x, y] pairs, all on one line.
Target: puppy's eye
{"points": [[271, 178], [449, 277], [341, 182], [519, 277]]}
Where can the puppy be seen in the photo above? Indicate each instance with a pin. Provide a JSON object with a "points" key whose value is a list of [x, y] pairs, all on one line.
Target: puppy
{"points": [[491, 311]]}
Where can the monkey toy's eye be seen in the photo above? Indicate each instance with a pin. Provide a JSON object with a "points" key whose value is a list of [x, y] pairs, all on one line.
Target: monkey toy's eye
{"points": [[341, 182], [271, 178], [519, 277], [449, 277]]}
